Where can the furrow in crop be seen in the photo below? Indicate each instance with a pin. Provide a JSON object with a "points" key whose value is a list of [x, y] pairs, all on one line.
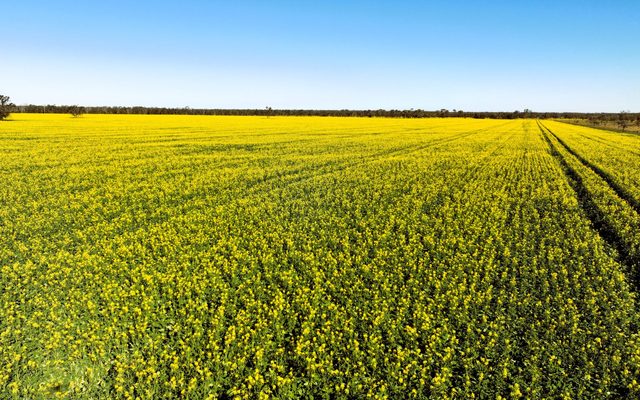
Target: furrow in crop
{"points": [[627, 255], [620, 191]]}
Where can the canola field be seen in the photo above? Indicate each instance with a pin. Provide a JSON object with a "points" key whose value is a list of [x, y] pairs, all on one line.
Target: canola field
{"points": [[187, 257]]}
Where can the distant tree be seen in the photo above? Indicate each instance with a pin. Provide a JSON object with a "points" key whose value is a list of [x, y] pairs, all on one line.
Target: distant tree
{"points": [[269, 111], [599, 119], [76, 111], [622, 120], [6, 106]]}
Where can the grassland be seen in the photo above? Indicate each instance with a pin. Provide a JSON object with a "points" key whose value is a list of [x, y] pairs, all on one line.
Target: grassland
{"points": [[250, 257], [632, 126]]}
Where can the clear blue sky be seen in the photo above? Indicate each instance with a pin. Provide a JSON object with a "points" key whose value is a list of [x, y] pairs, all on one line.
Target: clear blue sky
{"points": [[472, 55]]}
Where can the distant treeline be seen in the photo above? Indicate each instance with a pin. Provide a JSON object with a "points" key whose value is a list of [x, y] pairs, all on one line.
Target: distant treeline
{"points": [[61, 109]]}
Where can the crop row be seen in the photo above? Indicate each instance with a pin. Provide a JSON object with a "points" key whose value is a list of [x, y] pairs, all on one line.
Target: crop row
{"points": [[186, 257], [614, 156], [611, 214]]}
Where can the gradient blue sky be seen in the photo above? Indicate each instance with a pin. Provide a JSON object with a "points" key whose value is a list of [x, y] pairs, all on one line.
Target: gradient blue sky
{"points": [[470, 55]]}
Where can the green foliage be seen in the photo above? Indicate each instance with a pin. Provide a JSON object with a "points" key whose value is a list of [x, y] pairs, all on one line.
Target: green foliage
{"points": [[250, 257], [5, 107]]}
